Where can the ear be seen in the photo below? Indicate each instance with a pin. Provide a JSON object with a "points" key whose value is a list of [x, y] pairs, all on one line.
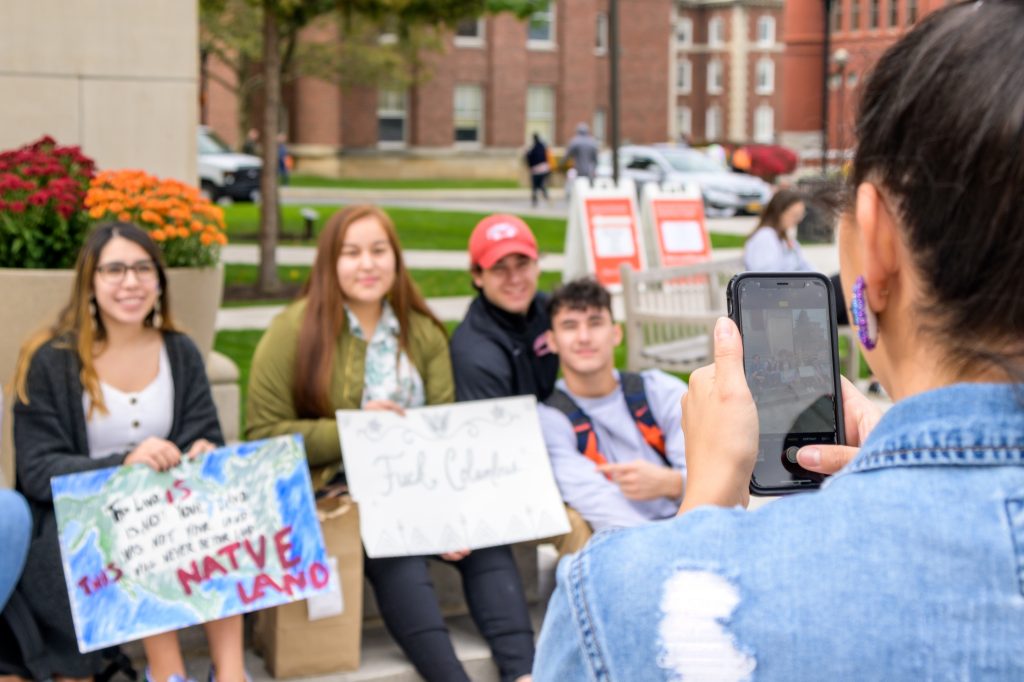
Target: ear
{"points": [[617, 334], [880, 243], [549, 338], [477, 274]]}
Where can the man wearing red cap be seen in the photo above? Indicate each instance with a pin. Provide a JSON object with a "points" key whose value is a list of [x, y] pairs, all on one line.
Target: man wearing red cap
{"points": [[499, 349]]}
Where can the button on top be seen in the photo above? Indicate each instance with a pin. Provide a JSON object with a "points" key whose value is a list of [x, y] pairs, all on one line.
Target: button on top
{"points": [[133, 400], [135, 423]]}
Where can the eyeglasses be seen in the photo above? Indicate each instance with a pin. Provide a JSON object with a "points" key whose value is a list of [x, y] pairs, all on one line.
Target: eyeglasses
{"points": [[115, 272]]}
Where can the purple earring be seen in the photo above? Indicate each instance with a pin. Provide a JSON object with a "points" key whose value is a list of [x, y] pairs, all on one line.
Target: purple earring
{"points": [[863, 316]]}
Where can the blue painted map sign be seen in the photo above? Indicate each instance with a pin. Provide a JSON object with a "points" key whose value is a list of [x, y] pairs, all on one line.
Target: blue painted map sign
{"points": [[230, 532]]}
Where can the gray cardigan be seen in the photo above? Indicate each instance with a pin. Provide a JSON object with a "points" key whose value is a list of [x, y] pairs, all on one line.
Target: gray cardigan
{"points": [[50, 440]]}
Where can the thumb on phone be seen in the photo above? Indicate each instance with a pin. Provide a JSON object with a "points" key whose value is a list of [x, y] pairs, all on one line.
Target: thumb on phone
{"points": [[825, 459], [729, 377]]}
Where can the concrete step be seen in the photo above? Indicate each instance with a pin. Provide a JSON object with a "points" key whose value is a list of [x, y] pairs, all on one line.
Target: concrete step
{"points": [[382, 660]]}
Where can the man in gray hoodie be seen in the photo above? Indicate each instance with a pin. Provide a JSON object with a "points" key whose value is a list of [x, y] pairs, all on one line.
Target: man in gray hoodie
{"points": [[582, 150]]}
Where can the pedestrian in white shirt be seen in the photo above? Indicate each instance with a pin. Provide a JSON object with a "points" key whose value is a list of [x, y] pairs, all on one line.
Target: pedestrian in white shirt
{"points": [[772, 246]]}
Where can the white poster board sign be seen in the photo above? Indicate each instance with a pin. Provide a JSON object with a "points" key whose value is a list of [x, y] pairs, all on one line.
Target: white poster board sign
{"points": [[603, 232], [450, 477], [675, 231]]}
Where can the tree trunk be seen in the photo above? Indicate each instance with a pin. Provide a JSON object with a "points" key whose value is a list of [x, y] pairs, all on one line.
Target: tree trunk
{"points": [[269, 213]]}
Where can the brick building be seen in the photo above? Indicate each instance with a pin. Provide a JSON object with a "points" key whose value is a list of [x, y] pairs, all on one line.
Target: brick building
{"points": [[726, 70], [497, 81], [861, 30]]}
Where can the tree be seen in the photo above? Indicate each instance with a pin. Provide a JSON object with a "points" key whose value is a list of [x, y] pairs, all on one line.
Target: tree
{"points": [[228, 31]]}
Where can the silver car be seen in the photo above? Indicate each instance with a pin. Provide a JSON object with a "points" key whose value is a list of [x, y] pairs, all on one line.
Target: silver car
{"points": [[725, 192]]}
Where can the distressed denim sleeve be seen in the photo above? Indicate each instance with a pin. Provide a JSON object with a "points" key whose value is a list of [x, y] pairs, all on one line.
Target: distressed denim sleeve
{"points": [[560, 656]]}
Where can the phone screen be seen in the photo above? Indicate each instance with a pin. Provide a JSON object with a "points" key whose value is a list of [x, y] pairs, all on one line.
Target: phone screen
{"points": [[788, 351]]}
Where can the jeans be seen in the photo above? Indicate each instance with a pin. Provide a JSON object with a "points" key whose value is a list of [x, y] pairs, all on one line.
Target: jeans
{"points": [[494, 593], [538, 182], [15, 529]]}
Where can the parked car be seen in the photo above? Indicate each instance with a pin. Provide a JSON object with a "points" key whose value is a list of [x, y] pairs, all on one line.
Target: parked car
{"points": [[224, 173], [724, 191]]}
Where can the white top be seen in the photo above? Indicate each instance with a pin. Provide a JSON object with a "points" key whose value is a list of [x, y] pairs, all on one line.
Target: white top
{"points": [[765, 252], [131, 417]]}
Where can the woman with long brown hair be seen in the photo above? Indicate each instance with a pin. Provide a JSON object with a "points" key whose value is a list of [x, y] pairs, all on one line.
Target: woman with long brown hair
{"points": [[772, 246], [361, 336], [110, 383]]}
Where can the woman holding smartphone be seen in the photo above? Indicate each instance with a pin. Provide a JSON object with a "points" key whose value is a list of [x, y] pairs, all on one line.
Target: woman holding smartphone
{"points": [[362, 337], [909, 563], [111, 383]]}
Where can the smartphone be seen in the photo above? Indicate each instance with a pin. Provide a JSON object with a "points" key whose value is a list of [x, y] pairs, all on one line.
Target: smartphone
{"points": [[791, 360]]}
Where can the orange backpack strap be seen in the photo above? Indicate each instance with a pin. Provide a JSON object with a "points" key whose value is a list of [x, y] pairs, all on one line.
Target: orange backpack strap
{"points": [[636, 400], [582, 426]]}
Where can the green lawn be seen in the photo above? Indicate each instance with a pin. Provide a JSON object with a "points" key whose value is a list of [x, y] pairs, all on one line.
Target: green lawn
{"points": [[432, 283], [423, 228], [419, 183]]}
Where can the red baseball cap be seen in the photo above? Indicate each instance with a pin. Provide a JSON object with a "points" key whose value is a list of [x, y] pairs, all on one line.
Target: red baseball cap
{"points": [[497, 236]]}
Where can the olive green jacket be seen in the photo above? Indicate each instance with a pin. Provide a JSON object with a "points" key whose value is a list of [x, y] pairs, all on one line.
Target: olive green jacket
{"points": [[270, 406]]}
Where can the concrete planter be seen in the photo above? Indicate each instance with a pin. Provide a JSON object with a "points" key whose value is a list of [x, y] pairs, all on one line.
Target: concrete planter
{"points": [[31, 299]]}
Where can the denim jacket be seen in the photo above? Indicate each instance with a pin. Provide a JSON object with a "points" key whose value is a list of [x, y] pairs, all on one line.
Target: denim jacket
{"points": [[907, 565]]}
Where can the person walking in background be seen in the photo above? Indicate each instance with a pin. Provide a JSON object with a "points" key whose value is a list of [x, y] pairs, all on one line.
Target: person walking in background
{"points": [[111, 383], [362, 337], [772, 246], [582, 150], [540, 169], [284, 159], [252, 142]]}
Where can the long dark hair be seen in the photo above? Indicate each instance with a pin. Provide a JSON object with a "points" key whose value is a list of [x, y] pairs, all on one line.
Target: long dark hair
{"points": [[79, 324], [325, 310], [771, 216], [941, 132]]}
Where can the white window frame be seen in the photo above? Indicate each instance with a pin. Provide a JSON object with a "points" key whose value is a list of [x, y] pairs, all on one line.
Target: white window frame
{"points": [[716, 76], [684, 76], [479, 141], [684, 26], [598, 125], [765, 76], [764, 124], [713, 113], [402, 113], [601, 34], [549, 15], [542, 122], [766, 30], [471, 41], [716, 32], [684, 120]]}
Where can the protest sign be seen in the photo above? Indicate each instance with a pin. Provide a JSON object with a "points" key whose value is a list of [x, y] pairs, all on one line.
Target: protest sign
{"points": [[230, 532], [450, 477]]}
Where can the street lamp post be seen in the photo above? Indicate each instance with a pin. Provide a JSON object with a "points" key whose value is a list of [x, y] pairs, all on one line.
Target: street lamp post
{"points": [[613, 58], [826, 48]]}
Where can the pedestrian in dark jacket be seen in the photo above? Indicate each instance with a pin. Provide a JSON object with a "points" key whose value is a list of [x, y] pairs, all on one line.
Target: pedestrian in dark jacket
{"points": [[540, 169], [499, 349]]}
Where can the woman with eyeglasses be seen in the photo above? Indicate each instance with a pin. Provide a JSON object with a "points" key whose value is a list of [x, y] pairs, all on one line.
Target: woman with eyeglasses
{"points": [[110, 383]]}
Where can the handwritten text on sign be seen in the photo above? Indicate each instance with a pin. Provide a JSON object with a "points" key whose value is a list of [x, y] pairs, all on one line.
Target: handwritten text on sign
{"points": [[146, 552], [449, 477]]}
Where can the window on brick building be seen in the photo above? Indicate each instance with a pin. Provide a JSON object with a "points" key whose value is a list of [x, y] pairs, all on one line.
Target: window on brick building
{"points": [[894, 15], [873, 12], [684, 76], [540, 112], [598, 127], [469, 115], [837, 16], [713, 123], [766, 30], [764, 124], [469, 33], [716, 77], [716, 31], [911, 12], [684, 121], [391, 114], [540, 31], [765, 70], [854, 15], [684, 31], [601, 34]]}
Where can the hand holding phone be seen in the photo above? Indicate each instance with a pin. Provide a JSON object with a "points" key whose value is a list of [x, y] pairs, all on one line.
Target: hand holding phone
{"points": [[790, 357]]}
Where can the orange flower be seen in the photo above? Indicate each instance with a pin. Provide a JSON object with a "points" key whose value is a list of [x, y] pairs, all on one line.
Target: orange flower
{"points": [[206, 239], [183, 232], [157, 235], [96, 212], [152, 217], [222, 239], [124, 216]]}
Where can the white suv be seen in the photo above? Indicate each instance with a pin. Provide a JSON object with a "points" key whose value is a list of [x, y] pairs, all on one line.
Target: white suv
{"points": [[225, 174]]}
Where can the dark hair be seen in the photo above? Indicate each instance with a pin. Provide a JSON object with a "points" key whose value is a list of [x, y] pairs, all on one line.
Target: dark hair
{"points": [[79, 325], [941, 132], [771, 216], [324, 317], [579, 294]]}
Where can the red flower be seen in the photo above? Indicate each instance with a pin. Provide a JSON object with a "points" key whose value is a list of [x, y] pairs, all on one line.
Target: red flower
{"points": [[16, 206]]}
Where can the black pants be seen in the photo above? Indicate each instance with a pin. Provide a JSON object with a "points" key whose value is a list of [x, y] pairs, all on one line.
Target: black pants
{"points": [[539, 184], [494, 593]]}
